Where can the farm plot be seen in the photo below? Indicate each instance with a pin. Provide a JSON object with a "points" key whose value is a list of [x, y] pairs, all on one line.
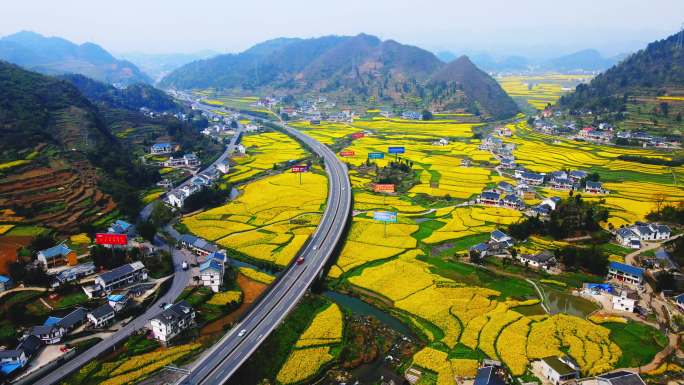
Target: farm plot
{"points": [[263, 151], [261, 227], [313, 348], [479, 318]]}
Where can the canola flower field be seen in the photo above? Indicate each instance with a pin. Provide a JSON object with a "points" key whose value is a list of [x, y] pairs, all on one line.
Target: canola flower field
{"points": [[261, 227], [451, 313], [263, 150], [437, 210], [540, 90], [313, 348]]}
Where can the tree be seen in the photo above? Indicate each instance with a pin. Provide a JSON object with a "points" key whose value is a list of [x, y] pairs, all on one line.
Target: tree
{"points": [[147, 229], [427, 115], [659, 199]]}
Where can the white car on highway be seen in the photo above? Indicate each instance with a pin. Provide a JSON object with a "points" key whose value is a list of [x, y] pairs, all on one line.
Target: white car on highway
{"points": [[242, 332]]}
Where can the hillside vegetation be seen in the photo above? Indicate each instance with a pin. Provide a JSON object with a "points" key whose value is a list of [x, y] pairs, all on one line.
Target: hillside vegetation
{"points": [[355, 68], [644, 90], [61, 164], [133, 97]]}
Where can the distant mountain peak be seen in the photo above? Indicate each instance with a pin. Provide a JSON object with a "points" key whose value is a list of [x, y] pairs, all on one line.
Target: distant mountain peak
{"points": [[55, 55], [356, 66]]}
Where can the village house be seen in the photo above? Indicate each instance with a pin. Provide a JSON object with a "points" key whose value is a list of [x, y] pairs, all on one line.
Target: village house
{"points": [[592, 187], [187, 160], [625, 273], [512, 201], [116, 278], [197, 245], [465, 162], [542, 260], [628, 238], [489, 198], [72, 274], [30, 346], [101, 316], [634, 235], [176, 198], [117, 301], [481, 250], [508, 162], [532, 179], [625, 300], [560, 183], [559, 369], [577, 175], [11, 360], [49, 334], [72, 320], [441, 142], [651, 231], [121, 227], [546, 206], [505, 187], [621, 377], [57, 256], [172, 321], [411, 115], [491, 143], [5, 283], [223, 166], [211, 273], [488, 375], [161, 148], [498, 236]]}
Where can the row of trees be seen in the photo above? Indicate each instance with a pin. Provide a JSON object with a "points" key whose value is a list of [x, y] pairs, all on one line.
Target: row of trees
{"points": [[572, 216]]}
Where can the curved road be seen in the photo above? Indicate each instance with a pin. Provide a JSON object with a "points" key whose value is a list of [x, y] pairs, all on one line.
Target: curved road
{"points": [[180, 280], [217, 364]]}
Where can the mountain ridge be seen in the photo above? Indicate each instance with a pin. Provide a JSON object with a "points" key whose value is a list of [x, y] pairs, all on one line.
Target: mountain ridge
{"points": [[56, 56], [361, 66]]}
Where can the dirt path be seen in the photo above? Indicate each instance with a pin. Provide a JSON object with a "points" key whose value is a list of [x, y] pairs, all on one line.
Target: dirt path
{"points": [[16, 289]]}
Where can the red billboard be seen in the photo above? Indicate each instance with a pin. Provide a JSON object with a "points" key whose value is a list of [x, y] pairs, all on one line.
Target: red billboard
{"points": [[111, 239], [347, 153], [378, 187], [358, 135], [299, 169]]}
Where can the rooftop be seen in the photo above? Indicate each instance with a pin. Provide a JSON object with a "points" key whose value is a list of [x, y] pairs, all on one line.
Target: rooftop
{"points": [[55, 251], [558, 366], [629, 269]]}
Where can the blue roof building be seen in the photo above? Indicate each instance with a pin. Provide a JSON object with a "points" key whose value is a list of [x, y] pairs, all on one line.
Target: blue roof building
{"points": [[626, 273], [54, 255], [121, 227], [5, 282], [488, 376]]}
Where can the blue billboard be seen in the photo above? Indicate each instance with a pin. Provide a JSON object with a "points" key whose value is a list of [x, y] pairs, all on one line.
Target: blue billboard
{"points": [[396, 150], [385, 216], [376, 155]]}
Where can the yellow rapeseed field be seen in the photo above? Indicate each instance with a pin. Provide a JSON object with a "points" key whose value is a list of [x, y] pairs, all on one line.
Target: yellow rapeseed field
{"points": [[303, 363], [325, 329]]}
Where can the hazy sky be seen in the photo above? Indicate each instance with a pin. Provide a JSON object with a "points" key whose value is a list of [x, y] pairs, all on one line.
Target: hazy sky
{"points": [[531, 27]]}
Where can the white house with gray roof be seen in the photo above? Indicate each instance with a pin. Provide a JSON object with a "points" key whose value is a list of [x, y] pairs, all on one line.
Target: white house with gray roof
{"points": [[172, 321], [116, 278]]}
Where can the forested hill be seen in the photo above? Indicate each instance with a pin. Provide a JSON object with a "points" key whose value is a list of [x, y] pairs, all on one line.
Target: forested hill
{"points": [[361, 66], [656, 70], [54, 56], [461, 75], [63, 160], [132, 98]]}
